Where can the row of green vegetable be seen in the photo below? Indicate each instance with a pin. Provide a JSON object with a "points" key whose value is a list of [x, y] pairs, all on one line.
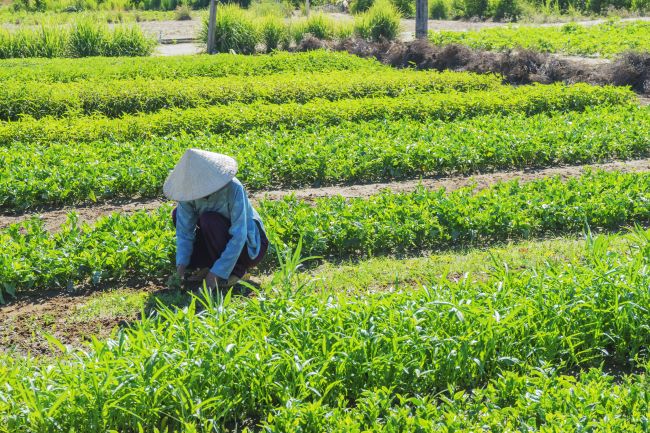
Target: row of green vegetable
{"points": [[141, 245], [114, 98], [34, 175], [606, 39], [491, 354], [176, 67], [238, 118]]}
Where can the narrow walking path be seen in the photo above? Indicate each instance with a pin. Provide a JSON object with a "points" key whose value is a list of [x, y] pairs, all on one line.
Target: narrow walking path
{"points": [[53, 219]]}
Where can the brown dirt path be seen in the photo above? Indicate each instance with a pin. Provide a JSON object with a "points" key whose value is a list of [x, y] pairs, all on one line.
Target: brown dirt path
{"points": [[54, 218]]}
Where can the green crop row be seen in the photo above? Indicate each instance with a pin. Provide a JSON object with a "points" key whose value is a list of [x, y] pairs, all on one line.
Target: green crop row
{"points": [[604, 40], [541, 401], [142, 244], [114, 98], [238, 118], [429, 220], [33, 175], [486, 355], [217, 65]]}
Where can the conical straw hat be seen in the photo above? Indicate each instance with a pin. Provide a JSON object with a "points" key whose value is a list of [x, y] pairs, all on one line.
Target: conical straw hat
{"points": [[199, 173]]}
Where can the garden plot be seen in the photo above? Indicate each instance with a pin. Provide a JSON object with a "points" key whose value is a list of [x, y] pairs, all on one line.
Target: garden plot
{"points": [[322, 143], [456, 339], [412, 342]]}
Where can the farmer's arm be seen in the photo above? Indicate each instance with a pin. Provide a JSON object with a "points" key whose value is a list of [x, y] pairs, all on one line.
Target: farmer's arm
{"points": [[186, 218], [223, 267]]}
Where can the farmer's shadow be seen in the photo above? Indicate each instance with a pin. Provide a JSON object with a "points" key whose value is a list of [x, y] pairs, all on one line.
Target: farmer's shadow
{"points": [[181, 298]]}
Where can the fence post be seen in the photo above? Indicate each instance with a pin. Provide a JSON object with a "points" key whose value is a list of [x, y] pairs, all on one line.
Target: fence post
{"points": [[212, 22], [421, 18]]}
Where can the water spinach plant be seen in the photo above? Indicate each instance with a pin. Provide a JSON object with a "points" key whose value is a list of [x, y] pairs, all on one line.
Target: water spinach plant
{"points": [[141, 245], [318, 155], [239, 118], [519, 348]]}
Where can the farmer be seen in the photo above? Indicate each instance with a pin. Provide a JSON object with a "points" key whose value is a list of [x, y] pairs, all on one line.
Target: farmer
{"points": [[218, 233]]}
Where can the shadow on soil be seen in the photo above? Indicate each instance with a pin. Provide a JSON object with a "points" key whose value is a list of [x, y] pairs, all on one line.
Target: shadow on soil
{"points": [[27, 319], [181, 298]]}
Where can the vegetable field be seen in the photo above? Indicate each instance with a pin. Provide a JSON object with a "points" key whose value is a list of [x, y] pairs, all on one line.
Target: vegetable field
{"points": [[510, 306], [603, 40]]}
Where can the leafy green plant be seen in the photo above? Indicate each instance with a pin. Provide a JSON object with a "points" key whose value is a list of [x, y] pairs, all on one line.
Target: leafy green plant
{"points": [[380, 22], [274, 33], [506, 10], [271, 8], [406, 8], [176, 67], [238, 118], [84, 39], [475, 8], [318, 155], [319, 26], [358, 6], [525, 343], [234, 31], [183, 13], [439, 9], [606, 39], [128, 41], [114, 98], [87, 40], [141, 245]]}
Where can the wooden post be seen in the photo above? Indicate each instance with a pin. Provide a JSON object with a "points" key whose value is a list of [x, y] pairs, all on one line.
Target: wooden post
{"points": [[212, 23], [307, 8], [421, 18]]}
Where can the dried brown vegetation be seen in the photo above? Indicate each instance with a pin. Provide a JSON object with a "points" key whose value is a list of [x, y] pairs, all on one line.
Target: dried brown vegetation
{"points": [[518, 66]]}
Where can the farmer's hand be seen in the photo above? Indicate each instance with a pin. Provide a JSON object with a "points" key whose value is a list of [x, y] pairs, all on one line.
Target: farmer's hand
{"points": [[211, 280], [180, 270]]}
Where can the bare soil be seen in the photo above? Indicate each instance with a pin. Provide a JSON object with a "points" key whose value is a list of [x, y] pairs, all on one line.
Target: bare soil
{"points": [[183, 49], [54, 218], [24, 322]]}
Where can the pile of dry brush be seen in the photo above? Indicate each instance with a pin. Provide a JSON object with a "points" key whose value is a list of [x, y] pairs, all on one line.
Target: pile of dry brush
{"points": [[516, 66]]}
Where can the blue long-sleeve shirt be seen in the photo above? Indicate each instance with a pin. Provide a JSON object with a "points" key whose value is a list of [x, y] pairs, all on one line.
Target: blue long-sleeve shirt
{"points": [[232, 202]]}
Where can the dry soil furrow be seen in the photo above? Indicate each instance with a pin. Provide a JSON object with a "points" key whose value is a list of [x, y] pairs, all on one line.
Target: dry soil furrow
{"points": [[53, 219]]}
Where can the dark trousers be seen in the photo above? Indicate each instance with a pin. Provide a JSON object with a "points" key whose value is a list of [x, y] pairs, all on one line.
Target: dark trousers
{"points": [[211, 239]]}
